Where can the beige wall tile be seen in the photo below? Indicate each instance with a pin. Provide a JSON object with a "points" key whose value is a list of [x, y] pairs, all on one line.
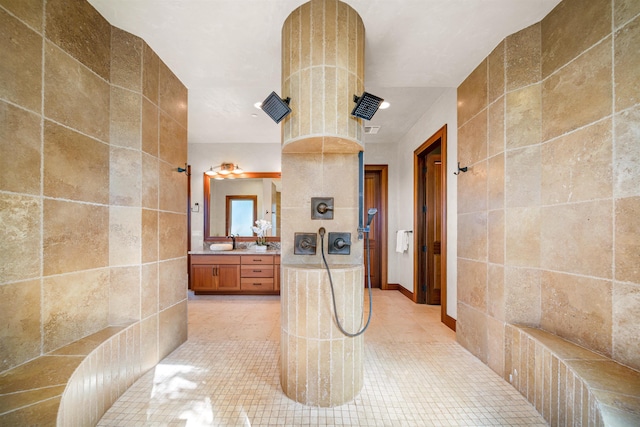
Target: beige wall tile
{"points": [[126, 60], [577, 167], [523, 177], [626, 318], [524, 116], [69, 159], [149, 235], [149, 288], [150, 74], [150, 130], [624, 10], [77, 28], [125, 177], [592, 21], [627, 246], [472, 94], [522, 237], [577, 238], [495, 69], [29, 11], [20, 142], [496, 128], [495, 345], [496, 241], [81, 103], [522, 296], [172, 235], [76, 236], [149, 343], [472, 189], [83, 297], [20, 308], [150, 181], [472, 284], [173, 141], [579, 93], [578, 308], [172, 328], [21, 72], [125, 235], [627, 63], [125, 118], [472, 140], [172, 95], [172, 188], [124, 295], [172, 276], [626, 157], [495, 182], [472, 236], [495, 292], [471, 330], [523, 51]]}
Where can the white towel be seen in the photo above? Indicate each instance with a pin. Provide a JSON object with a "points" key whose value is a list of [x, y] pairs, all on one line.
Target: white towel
{"points": [[402, 241]]}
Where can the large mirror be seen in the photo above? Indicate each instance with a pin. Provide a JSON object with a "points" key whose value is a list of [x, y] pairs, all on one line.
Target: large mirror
{"points": [[231, 206]]}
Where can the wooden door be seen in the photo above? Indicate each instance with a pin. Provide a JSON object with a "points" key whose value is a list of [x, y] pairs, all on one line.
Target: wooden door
{"points": [[433, 187], [372, 199]]}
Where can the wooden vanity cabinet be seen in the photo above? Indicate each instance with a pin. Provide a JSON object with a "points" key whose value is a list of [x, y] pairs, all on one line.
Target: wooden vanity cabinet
{"points": [[235, 274], [215, 273]]}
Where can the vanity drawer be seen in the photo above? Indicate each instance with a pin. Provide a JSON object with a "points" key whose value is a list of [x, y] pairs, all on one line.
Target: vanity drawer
{"points": [[256, 271], [257, 259], [215, 259], [257, 284]]}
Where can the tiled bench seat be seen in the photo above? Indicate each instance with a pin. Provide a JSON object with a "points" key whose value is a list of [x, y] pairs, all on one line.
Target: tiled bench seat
{"points": [[568, 384], [74, 385]]}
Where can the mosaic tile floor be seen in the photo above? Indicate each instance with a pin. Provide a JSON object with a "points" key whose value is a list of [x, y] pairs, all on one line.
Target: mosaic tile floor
{"points": [[227, 374]]}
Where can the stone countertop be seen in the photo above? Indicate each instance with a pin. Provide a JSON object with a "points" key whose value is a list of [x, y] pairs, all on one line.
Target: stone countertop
{"points": [[241, 251]]}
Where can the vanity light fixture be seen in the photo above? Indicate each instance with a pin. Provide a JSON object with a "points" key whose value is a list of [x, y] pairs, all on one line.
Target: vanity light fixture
{"points": [[277, 108], [366, 105], [225, 170]]}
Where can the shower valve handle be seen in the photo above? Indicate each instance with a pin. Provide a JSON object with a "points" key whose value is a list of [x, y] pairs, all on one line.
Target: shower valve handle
{"points": [[322, 208]]}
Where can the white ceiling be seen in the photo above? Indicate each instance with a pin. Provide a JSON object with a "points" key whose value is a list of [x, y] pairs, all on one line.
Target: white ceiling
{"points": [[227, 53]]}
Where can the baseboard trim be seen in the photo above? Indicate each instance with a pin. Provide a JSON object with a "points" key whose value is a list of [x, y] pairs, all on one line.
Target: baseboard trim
{"points": [[407, 293], [392, 287], [449, 321]]}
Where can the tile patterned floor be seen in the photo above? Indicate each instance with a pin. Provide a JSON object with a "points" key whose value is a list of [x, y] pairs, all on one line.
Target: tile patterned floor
{"points": [[227, 374]]}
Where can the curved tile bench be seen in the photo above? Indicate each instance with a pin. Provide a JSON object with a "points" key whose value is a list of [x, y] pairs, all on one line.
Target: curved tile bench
{"points": [[568, 384], [74, 385]]}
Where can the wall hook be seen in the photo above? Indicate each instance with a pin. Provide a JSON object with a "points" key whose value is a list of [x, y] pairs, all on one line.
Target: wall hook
{"points": [[180, 170], [464, 169]]}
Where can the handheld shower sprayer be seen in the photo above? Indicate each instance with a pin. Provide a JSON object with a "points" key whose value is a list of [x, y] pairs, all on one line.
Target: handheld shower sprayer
{"points": [[370, 214]]}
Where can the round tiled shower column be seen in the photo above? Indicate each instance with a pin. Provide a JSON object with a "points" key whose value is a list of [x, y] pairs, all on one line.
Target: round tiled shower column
{"points": [[322, 69]]}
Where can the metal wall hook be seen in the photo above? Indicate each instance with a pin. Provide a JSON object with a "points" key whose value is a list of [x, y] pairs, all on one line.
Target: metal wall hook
{"points": [[464, 169], [181, 170]]}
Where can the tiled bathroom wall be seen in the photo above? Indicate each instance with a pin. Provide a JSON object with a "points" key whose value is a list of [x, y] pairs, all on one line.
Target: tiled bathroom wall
{"points": [[549, 126], [93, 126]]}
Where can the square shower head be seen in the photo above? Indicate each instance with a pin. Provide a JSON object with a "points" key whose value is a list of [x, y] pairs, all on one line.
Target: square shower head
{"points": [[366, 105], [276, 107]]}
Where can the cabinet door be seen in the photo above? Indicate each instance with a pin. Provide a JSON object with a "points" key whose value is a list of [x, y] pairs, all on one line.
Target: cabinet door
{"points": [[203, 277], [228, 277]]}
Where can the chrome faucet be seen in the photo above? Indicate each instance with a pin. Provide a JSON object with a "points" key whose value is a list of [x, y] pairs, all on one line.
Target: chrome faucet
{"points": [[233, 238]]}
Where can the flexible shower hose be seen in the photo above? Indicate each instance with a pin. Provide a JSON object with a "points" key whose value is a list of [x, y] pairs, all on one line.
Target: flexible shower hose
{"points": [[333, 294]]}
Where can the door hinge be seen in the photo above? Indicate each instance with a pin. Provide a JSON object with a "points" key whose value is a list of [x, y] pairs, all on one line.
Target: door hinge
{"points": [[424, 209], [424, 288], [424, 248]]}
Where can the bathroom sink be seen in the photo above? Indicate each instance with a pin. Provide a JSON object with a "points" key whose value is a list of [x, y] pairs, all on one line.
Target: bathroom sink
{"points": [[221, 247]]}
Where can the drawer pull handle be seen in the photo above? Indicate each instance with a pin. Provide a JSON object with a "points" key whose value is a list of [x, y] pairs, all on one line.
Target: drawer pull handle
{"points": [[257, 260], [257, 284], [257, 271]]}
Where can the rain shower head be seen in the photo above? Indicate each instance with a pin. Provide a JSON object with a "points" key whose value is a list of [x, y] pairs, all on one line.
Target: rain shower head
{"points": [[276, 107], [366, 105]]}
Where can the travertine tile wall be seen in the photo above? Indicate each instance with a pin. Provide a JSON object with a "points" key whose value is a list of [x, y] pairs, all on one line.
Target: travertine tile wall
{"points": [[93, 126], [549, 124]]}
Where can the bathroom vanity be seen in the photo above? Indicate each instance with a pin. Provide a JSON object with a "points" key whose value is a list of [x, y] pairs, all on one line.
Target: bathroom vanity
{"points": [[235, 272]]}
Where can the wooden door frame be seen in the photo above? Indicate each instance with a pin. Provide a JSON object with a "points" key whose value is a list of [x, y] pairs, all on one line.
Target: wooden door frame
{"points": [[439, 136], [383, 170]]}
